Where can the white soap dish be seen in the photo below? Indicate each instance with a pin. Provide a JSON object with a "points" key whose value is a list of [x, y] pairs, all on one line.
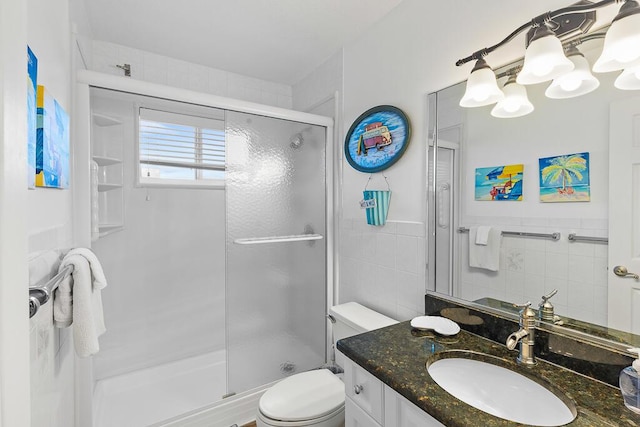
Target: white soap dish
{"points": [[441, 325]]}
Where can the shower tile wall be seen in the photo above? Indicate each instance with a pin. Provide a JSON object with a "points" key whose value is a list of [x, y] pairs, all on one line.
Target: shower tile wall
{"points": [[164, 70], [383, 267], [530, 268]]}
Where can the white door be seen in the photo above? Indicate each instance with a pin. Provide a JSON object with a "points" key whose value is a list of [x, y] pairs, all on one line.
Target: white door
{"points": [[624, 215]]}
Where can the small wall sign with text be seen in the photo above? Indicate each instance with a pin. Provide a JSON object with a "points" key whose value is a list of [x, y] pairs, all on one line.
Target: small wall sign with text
{"points": [[377, 139]]}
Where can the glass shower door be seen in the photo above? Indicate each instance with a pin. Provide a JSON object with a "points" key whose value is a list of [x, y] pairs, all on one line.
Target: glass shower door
{"points": [[276, 252]]}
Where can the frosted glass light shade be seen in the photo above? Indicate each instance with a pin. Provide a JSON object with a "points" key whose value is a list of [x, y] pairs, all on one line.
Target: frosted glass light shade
{"points": [[578, 82], [544, 59], [515, 102], [621, 43], [482, 88], [629, 79]]}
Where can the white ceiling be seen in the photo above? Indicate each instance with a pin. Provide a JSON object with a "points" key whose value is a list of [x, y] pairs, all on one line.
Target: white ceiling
{"points": [[275, 40]]}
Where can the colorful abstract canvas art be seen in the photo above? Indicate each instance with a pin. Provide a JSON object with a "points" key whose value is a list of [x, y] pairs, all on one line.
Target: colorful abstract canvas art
{"points": [[52, 148], [499, 183], [565, 178], [32, 116]]}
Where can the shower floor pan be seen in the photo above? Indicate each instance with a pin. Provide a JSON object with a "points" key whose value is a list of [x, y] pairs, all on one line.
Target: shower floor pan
{"points": [[148, 396]]}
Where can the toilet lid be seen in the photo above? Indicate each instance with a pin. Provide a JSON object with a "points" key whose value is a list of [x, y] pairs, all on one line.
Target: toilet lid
{"points": [[304, 396]]}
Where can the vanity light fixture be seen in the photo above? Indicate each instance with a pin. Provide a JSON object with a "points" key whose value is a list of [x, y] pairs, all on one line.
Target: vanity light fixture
{"points": [[578, 82], [622, 41], [482, 87], [629, 79], [515, 102], [544, 58]]}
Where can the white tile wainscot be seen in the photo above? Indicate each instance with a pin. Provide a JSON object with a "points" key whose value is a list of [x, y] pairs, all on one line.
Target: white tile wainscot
{"points": [[383, 267]]}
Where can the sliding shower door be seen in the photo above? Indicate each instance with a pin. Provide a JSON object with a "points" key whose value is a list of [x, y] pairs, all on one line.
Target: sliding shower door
{"points": [[276, 251]]}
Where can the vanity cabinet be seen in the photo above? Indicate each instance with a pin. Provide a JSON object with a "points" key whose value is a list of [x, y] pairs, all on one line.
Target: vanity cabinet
{"points": [[370, 403]]}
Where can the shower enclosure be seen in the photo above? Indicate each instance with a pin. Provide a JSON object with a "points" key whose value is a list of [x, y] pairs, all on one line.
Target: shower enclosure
{"points": [[214, 292]]}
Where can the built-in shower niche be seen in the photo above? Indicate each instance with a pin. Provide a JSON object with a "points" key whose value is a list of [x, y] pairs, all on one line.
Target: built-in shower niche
{"points": [[107, 144]]}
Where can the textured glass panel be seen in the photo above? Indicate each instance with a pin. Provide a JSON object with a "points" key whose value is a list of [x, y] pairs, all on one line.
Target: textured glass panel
{"points": [[276, 292]]}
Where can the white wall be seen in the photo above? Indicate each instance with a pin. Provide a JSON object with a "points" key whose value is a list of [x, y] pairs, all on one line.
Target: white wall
{"points": [[50, 39], [411, 53], [168, 71], [14, 325], [39, 219], [50, 224]]}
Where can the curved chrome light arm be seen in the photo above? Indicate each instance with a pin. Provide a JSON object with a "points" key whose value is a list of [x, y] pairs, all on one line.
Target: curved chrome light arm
{"points": [[537, 21]]}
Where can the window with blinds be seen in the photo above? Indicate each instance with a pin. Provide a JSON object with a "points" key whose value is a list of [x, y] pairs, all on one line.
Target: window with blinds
{"points": [[180, 149]]}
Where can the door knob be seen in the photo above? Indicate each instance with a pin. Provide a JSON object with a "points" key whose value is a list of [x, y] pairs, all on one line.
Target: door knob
{"points": [[621, 271]]}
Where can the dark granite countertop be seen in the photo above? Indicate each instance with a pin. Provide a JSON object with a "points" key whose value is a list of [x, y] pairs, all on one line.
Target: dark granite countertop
{"points": [[397, 355]]}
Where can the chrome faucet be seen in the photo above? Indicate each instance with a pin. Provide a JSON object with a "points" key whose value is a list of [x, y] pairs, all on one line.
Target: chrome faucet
{"points": [[525, 336], [545, 308]]}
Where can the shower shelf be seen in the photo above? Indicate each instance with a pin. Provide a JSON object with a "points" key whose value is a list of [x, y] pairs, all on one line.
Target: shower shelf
{"points": [[106, 161], [278, 239], [107, 187]]}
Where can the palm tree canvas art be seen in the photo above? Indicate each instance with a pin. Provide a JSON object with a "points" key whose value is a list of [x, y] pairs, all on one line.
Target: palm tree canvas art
{"points": [[565, 178]]}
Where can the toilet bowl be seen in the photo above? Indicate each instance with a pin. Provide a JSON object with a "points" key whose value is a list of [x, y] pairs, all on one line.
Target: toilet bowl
{"points": [[316, 398]]}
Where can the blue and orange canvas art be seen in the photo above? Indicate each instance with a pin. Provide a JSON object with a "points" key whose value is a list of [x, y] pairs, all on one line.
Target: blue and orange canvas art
{"points": [[52, 148], [565, 178], [499, 183], [32, 116]]}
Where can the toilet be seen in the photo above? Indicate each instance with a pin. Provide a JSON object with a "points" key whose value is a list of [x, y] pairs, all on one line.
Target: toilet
{"points": [[316, 398]]}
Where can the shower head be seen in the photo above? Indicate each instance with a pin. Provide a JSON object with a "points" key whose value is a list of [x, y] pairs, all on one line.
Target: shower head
{"points": [[296, 141]]}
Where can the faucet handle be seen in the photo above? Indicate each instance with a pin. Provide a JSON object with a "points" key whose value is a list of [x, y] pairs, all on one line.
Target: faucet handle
{"points": [[524, 306], [547, 297], [545, 308], [525, 310]]}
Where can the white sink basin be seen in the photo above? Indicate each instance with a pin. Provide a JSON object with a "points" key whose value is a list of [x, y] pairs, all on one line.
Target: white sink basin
{"points": [[501, 392]]}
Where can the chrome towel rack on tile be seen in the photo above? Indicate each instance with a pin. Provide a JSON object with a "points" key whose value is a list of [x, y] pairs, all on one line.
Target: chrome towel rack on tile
{"points": [[42, 292], [278, 239], [551, 236], [574, 238]]}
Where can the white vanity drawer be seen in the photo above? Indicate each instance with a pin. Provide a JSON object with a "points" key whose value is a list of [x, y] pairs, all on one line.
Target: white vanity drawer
{"points": [[364, 389], [355, 416]]}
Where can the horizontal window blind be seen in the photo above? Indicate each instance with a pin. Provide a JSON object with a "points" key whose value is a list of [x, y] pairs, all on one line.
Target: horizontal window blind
{"points": [[181, 141]]}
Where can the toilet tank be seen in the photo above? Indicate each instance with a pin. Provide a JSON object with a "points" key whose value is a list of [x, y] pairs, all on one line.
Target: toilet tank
{"points": [[353, 318]]}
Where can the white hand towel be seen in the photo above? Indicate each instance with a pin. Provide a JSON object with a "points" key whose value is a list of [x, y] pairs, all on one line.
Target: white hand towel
{"points": [[485, 256], [78, 300], [482, 236]]}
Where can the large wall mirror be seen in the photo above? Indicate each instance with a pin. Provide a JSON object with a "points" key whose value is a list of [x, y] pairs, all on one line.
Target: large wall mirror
{"points": [[474, 155]]}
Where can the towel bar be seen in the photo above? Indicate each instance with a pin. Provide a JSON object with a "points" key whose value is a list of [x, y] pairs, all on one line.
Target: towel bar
{"points": [[42, 292], [552, 236], [573, 238], [279, 239]]}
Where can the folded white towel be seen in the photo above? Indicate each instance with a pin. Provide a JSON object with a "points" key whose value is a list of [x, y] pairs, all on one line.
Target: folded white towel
{"points": [[78, 300], [485, 256], [482, 236]]}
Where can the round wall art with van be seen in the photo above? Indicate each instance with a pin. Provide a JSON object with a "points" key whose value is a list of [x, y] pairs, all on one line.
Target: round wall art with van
{"points": [[377, 139]]}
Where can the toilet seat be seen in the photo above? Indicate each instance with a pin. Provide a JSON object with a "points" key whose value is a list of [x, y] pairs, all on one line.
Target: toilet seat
{"points": [[308, 396]]}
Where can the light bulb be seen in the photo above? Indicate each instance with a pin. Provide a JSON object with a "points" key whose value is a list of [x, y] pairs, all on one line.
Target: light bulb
{"points": [[482, 88], [544, 59], [622, 42], [515, 102], [570, 84], [577, 82], [629, 79]]}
